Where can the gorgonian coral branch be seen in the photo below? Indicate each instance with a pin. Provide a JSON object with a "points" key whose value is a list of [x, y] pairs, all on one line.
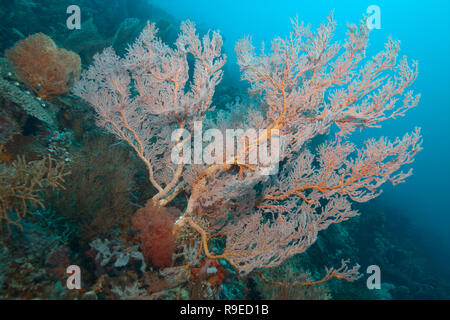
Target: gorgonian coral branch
{"points": [[143, 97]]}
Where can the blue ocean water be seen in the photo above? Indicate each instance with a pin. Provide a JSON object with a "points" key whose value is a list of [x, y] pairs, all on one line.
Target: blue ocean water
{"points": [[423, 27]]}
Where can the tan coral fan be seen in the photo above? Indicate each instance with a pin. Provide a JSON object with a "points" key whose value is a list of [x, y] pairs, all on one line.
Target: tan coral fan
{"points": [[47, 69]]}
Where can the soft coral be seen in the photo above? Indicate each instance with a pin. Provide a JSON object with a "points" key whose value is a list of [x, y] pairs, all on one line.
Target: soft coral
{"points": [[156, 225]]}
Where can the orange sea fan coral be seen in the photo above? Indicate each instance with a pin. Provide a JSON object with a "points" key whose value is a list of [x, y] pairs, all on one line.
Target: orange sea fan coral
{"points": [[47, 69]]}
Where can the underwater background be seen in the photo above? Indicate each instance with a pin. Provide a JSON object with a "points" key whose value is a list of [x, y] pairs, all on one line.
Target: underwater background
{"points": [[97, 184]]}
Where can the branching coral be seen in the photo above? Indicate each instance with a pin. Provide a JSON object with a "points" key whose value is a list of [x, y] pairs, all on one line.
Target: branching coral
{"points": [[23, 99], [47, 69], [306, 84], [287, 288], [110, 172], [22, 186]]}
